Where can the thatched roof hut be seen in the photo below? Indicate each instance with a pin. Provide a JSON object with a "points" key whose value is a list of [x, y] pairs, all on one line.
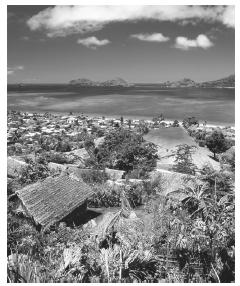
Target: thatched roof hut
{"points": [[53, 199]]}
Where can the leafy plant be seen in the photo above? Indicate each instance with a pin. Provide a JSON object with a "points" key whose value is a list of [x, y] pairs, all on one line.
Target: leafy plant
{"points": [[183, 160]]}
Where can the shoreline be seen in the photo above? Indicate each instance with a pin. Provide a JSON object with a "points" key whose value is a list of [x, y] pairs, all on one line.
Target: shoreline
{"points": [[211, 124]]}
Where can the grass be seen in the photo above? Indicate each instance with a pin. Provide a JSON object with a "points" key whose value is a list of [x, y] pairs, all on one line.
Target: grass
{"points": [[169, 137]]}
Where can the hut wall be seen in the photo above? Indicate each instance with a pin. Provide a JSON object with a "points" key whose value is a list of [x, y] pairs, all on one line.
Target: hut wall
{"points": [[76, 217]]}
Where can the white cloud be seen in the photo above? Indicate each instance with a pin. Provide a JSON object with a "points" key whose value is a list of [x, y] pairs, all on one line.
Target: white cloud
{"points": [[201, 41], [228, 16], [93, 42], [9, 72], [155, 37], [65, 20], [25, 38], [12, 70]]}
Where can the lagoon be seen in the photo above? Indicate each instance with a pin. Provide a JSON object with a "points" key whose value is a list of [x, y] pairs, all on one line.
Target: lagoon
{"points": [[216, 105]]}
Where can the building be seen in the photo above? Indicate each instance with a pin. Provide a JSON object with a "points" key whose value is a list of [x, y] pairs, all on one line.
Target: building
{"points": [[54, 200]]}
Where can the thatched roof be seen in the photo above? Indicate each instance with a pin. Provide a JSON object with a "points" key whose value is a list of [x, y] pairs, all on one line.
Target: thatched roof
{"points": [[81, 153], [53, 199], [56, 166], [114, 174], [14, 166], [77, 172]]}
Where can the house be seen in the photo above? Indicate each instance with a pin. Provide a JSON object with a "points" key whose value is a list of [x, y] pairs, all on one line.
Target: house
{"points": [[55, 199]]}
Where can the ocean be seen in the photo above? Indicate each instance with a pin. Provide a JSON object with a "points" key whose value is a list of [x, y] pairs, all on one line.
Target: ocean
{"points": [[216, 105]]}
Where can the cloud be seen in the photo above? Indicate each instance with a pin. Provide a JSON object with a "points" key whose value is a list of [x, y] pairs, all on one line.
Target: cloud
{"points": [[12, 70], [228, 16], [10, 14], [93, 42], [201, 41], [155, 37], [65, 20], [25, 38]]}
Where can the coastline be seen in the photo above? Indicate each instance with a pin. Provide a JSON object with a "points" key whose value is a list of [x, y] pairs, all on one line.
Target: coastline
{"points": [[132, 117]]}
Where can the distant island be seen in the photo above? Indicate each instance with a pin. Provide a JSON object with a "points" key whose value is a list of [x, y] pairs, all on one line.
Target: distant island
{"points": [[83, 82], [75, 84], [223, 82], [227, 82]]}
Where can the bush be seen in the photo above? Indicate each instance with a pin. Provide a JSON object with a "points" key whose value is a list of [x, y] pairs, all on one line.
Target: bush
{"points": [[94, 176], [110, 196], [105, 196], [175, 123], [201, 143], [33, 172], [187, 122], [137, 174], [125, 150], [217, 143]]}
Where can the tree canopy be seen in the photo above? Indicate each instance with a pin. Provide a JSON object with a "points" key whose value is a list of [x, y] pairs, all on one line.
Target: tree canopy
{"points": [[183, 160], [216, 143], [125, 150]]}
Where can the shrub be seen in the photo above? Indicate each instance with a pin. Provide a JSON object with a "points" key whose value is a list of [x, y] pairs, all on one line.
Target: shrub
{"points": [[94, 176], [33, 172], [187, 122], [125, 150], [175, 123]]}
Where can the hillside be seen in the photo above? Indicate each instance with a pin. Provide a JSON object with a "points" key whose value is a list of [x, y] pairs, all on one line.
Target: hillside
{"points": [[109, 83], [186, 82], [223, 82]]}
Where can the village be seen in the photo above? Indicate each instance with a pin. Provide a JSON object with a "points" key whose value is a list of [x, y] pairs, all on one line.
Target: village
{"points": [[107, 177]]}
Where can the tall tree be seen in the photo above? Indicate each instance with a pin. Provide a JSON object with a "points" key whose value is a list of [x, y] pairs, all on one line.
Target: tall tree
{"points": [[183, 160], [216, 143]]}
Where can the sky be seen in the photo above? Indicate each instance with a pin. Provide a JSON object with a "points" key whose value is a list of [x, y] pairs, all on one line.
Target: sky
{"points": [[141, 44]]}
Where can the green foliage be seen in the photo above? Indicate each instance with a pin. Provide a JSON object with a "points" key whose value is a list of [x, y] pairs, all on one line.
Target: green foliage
{"points": [[175, 123], [63, 146], [110, 196], [216, 143], [56, 157], [210, 205], [125, 150], [105, 196], [187, 122], [228, 158], [158, 118], [94, 176], [33, 172], [183, 160]]}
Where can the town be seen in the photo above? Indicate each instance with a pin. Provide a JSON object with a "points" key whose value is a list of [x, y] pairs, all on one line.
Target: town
{"points": [[120, 182]]}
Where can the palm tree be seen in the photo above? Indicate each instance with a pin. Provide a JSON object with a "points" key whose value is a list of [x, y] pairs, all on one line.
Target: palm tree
{"points": [[196, 197]]}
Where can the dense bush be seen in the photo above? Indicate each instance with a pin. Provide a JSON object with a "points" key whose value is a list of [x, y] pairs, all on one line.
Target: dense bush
{"points": [[55, 157], [195, 237], [111, 196], [125, 150], [187, 122], [175, 123], [92, 176], [33, 172]]}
